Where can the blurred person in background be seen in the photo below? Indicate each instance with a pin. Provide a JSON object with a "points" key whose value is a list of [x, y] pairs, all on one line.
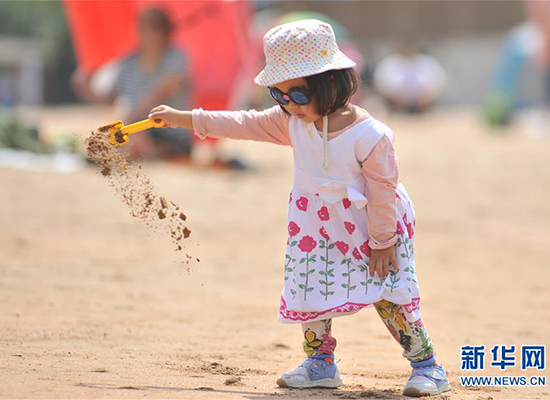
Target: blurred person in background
{"points": [[528, 41], [539, 13], [155, 73], [408, 80]]}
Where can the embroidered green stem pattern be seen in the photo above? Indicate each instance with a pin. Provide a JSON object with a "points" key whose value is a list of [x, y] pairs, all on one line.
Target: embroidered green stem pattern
{"points": [[327, 273], [305, 286], [367, 281], [347, 274]]}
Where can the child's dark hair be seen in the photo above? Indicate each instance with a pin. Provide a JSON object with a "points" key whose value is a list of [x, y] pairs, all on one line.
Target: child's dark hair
{"points": [[332, 89]]}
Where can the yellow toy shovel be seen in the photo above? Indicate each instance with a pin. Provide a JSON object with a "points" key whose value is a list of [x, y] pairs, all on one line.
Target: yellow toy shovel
{"points": [[119, 133]]}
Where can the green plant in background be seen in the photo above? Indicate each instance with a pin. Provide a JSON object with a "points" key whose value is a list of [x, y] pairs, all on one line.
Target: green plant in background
{"points": [[46, 21], [15, 135], [41, 19], [498, 108]]}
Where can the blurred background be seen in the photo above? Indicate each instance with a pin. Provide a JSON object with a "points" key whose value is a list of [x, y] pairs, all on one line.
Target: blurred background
{"points": [[86, 291], [490, 57]]}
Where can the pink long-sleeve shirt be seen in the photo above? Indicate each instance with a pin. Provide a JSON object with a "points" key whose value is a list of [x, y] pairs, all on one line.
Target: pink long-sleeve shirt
{"points": [[379, 167]]}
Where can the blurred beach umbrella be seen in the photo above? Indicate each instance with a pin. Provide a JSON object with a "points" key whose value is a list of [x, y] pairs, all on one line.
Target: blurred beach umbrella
{"points": [[214, 34]]}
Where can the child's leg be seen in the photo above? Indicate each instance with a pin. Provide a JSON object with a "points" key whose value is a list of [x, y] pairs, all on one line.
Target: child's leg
{"points": [[427, 377], [412, 336], [319, 369], [318, 338]]}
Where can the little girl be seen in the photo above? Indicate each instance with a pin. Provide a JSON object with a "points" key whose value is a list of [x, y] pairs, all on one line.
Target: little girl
{"points": [[350, 220]]}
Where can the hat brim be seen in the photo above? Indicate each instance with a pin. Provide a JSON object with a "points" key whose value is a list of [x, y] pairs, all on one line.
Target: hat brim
{"points": [[273, 74]]}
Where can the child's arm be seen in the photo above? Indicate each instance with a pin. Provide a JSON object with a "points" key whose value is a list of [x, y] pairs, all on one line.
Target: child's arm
{"points": [[270, 125], [382, 175]]}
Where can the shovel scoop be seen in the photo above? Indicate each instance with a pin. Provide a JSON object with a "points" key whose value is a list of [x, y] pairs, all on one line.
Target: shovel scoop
{"points": [[119, 134]]}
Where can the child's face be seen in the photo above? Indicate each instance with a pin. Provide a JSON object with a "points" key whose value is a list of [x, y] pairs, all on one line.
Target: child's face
{"points": [[306, 113]]}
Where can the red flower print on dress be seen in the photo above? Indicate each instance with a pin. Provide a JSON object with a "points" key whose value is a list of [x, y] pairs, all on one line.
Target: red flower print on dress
{"points": [[301, 203], [400, 230], [307, 244], [347, 203], [293, 228], [343, 247], [365, 248], [356, 254], [323, 213], [409, 227], [290, 200], [324, 233], [349, 227], [397, 195], [409, 230]]}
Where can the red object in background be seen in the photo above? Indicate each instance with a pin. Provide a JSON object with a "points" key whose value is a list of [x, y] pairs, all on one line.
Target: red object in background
{"points": [[214, 35], [101, 31]]}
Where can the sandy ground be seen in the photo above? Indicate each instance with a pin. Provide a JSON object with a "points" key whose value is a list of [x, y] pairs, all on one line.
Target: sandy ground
{"points": [[93, 305]]}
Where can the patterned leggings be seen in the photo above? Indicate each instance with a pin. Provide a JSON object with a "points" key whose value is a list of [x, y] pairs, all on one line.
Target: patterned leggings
{"points": [[412, 337]]}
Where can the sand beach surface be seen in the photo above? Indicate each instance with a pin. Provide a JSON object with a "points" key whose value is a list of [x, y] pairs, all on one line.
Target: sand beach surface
{"points": [[94, 304]]}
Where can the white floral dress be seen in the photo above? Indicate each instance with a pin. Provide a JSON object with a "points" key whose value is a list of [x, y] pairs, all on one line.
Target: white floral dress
{"points": [[325, 266], [327, 255]]}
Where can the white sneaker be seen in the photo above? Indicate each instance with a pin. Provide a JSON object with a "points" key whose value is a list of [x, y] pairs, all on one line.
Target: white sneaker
{"points": [[426, 381], [316, 371]]}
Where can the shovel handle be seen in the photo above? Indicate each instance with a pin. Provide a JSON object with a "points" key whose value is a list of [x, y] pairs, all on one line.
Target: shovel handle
{"points": [[141, 126]]}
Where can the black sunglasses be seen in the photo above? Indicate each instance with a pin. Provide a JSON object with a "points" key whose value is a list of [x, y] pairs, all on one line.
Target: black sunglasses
{"points": [[298, 95]]}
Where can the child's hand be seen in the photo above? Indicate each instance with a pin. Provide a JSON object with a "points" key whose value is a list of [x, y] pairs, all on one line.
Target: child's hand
{"points": [[380, 261], [168, 115]]}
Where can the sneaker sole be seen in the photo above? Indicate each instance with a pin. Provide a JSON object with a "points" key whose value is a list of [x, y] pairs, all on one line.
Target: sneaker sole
{"points": [[322, 383], [415, 392]]}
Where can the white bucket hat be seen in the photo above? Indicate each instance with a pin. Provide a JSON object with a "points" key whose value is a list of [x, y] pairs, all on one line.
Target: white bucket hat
{"points": [[300, 49]]}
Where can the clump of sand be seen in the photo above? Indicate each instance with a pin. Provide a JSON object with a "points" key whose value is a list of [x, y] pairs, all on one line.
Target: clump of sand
{"points": [[135, 188]]}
